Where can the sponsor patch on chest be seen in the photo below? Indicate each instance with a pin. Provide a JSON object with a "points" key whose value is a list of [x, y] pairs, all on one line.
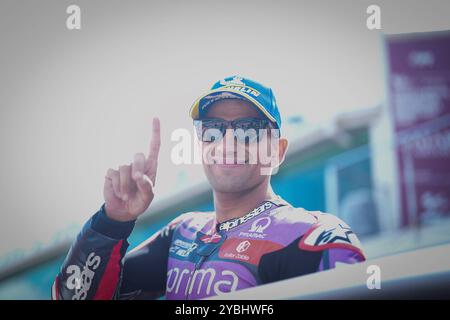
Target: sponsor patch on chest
{"points": [[247, 250]]}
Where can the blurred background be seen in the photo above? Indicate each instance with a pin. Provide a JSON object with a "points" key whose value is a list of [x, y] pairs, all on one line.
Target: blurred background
{"points": [[367, 114]]}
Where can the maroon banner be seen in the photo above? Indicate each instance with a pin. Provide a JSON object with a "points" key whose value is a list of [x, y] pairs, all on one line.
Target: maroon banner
{"points": [[419, 91]]}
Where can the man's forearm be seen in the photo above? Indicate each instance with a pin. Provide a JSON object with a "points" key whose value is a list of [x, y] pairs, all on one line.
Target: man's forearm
{"points": [[93, 266]]}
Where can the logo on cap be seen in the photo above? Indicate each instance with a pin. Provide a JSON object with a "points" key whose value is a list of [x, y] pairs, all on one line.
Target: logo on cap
{"points": [[235, 80]]}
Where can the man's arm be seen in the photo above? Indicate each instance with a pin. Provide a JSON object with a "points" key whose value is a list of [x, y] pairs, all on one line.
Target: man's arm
{"points": [[97, 268], [326, 244], [145, 267], [93, 268]]}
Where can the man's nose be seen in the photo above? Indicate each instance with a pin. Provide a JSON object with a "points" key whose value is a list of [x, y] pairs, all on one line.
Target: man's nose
{"points": [[228, 143]]}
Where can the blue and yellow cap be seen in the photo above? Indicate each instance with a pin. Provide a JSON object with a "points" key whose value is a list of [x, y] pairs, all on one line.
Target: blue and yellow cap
{"points": [[235, 87]]}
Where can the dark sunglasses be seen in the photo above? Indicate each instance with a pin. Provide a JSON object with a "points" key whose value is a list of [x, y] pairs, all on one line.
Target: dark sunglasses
{"points": [[246, 130]]}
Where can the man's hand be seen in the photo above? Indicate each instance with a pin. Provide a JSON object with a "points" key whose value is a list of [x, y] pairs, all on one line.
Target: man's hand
{"points": [[128, 191]]}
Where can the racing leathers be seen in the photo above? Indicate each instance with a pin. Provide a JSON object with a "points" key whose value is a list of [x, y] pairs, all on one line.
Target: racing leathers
{"points": [[194, 256]]}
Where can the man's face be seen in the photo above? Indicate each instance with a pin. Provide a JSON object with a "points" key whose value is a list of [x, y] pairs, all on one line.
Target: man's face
{"points": [[235, 166]]}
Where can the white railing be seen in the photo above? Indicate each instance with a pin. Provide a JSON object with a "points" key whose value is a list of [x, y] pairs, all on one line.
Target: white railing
{"points": [[423, 273]]}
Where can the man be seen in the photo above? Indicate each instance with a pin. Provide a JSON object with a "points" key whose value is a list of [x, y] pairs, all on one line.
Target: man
{"points": [[253, 236]]}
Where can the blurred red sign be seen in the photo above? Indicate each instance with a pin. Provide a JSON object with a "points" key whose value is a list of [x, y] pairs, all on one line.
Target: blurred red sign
{"points": [[419, 90]]}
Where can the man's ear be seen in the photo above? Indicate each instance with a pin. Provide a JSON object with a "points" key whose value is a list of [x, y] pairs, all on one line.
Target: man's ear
{"points": [[282, 149]]}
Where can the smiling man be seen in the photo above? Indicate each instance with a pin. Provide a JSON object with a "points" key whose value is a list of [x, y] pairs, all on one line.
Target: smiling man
{"points": [[252, 237]]}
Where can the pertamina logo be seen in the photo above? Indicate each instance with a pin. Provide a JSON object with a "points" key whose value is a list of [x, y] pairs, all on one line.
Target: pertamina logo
{"points": [[200, 282]]}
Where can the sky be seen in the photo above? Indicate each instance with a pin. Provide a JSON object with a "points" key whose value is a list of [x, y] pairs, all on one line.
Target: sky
{"points": [[74, 103]]}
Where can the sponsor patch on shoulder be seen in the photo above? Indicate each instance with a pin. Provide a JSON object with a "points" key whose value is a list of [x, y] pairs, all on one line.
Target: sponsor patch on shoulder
{"points": [[330, 232]]}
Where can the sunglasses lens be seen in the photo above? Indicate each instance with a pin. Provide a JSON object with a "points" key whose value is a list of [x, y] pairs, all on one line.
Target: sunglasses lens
{"points": [[212, 135], [245, 130], [246, 136], [209, 130], [249, 130]]}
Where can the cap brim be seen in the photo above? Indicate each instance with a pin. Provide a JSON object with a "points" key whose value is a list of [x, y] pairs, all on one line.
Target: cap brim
{"points": [[195, 109]]}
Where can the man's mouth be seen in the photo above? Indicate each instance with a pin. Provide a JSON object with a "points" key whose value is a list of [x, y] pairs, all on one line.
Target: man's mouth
{"points": [[230, 162], [230, 165]]}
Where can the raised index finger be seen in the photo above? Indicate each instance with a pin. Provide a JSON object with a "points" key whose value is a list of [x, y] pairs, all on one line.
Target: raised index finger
{"points": [[155, 142]]}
